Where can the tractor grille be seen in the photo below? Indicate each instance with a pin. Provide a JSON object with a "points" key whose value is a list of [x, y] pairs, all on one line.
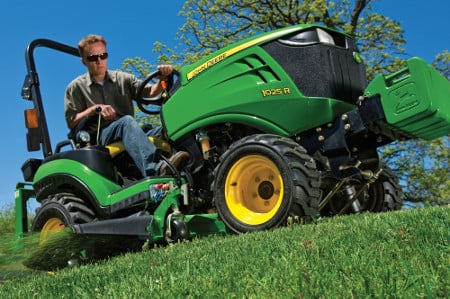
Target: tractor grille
{"points": [[321, 69]]}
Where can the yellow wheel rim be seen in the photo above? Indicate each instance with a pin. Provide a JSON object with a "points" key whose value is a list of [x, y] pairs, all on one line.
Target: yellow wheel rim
{"points": [[254, 190], [50, 228]]}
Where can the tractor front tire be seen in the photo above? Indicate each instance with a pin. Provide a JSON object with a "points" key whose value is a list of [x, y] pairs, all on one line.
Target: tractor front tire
{"points": [[393, 193], [262, 180], [385, 194]]}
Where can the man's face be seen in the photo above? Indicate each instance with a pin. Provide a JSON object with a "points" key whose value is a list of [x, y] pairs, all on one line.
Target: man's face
{"points": [[95, 59]]}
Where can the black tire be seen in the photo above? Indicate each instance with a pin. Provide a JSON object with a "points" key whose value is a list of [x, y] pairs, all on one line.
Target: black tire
{"points": [[383, 195], [59, 211], [57, 247], [370, 200], [276, 179], [393, 193]]}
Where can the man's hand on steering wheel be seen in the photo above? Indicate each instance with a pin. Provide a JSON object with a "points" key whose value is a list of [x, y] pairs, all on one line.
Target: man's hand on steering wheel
{"points": [[165, 73]]}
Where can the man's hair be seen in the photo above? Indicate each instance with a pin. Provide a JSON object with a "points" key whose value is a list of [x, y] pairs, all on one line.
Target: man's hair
{"points": [[90, 39]]}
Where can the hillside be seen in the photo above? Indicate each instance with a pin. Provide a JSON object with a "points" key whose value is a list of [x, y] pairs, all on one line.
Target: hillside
{"points": [[402, 254]]}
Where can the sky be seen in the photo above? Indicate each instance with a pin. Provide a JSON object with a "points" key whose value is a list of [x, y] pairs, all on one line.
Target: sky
{"points": [[130, 29]]}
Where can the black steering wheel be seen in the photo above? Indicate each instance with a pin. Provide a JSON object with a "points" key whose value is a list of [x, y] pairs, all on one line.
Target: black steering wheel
{"points": [[141, 102]]}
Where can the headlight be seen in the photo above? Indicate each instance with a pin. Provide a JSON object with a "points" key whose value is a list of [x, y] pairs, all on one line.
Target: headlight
{"points": [[82, 137]]}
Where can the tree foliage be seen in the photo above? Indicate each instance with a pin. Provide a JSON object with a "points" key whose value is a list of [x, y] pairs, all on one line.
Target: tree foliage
{"points": [[211, 25], [422, 167], [141, 68], [442, 63]]}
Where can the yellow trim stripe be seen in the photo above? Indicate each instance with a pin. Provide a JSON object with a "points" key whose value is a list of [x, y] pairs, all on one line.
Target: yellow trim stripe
{"points": [[232, 51]]}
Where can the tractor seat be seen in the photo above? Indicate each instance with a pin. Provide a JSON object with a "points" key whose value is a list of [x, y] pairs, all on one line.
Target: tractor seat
{"points": [[117, 147]]}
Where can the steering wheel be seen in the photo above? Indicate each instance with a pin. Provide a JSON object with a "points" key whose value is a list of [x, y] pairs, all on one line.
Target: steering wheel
{"points": [[154, 101]]}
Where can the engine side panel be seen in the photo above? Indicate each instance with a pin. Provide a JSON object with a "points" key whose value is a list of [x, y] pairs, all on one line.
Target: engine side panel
{"points": [[263, 84]]}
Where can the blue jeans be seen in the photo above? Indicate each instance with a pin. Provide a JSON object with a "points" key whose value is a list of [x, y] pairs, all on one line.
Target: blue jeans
{"points": [[135, 141]]}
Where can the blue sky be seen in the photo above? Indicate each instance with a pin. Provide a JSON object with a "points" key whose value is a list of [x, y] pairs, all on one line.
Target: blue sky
{"points": [[130, 28]]}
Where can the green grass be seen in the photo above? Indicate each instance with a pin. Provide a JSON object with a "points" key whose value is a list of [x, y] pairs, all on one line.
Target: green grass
{"points": [[401, 254], [7, 219]]}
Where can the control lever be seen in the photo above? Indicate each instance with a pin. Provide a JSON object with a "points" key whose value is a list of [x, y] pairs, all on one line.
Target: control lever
{"points": [[98, 110]]}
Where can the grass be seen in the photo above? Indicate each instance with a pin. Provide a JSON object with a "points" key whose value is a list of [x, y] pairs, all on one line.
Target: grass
{"points": [[7, 218], [401, 254]]}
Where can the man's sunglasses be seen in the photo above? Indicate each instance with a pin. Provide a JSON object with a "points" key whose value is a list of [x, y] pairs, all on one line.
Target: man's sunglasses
{"points": [[102, 56]]}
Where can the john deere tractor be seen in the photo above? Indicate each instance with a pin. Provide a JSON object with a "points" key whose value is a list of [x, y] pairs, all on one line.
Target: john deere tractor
{"points": [[280, 127]]}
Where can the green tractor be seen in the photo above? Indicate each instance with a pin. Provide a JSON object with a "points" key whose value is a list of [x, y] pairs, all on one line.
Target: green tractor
{"points": [[280, 127]]}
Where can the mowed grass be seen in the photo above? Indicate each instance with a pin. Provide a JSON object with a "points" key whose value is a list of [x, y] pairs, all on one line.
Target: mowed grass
{"points": [[402, 254]]}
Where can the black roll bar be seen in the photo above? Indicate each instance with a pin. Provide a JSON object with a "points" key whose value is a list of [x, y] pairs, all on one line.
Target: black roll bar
{"points": [[31, 91]]}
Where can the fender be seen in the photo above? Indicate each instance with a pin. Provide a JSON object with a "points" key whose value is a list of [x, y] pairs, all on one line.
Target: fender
{"points": [[65, 175]]}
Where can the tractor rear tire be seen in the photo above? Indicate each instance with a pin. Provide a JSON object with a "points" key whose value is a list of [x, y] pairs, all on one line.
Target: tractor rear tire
{"points": [[59, 211], [262, 180], [57, 247]]}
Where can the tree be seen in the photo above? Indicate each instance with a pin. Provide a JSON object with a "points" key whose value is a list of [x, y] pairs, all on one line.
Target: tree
{"points": [[442, 63], [211, 25], [141, 68], [422, 167]]}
